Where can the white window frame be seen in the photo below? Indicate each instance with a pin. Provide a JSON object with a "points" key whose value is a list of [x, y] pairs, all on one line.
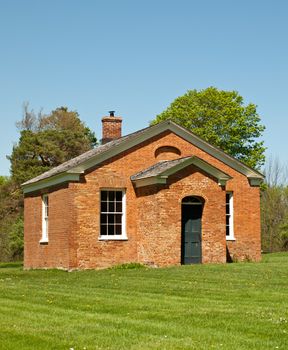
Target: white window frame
{"points": [[123, 236], [231, 236], [45, 218]]}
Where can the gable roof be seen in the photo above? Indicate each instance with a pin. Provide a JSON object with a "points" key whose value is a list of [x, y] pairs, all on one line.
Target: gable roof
{"points": [[159, 172], [160, 168], [73, 168]]}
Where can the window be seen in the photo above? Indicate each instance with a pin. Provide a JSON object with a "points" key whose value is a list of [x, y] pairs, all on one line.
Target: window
{"points": [[229, 216], [45, 218], [112, 217]]}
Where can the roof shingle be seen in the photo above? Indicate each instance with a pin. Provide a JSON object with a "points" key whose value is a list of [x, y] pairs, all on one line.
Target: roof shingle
{"points": [[66, 166], [158, 168]]}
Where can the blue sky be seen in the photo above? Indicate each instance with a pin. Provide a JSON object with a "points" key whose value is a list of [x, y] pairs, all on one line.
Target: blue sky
{"points": [[136, 57]]}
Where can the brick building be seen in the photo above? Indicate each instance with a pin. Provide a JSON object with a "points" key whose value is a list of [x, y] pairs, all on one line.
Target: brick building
{"points": [[160, 196]]}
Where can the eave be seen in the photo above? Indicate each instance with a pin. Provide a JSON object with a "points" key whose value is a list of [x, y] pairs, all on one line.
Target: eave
{"points": [[181, 132], [163, 176], [51, 181], [254, 177]]}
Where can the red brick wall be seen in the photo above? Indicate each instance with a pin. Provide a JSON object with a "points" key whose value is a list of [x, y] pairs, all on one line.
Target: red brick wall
{"points": [[159, 218], [247, 231], [56, 252], [153, 214]]}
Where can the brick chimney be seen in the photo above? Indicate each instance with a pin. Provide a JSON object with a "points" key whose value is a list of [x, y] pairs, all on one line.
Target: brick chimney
{"points": [[111, 127]]}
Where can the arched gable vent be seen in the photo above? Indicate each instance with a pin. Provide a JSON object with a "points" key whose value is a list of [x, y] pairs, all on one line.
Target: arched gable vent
{"points": [[167, 153]]}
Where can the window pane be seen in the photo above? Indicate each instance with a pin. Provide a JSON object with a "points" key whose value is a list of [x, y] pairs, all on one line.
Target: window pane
{"points": [[118, 230], [119, 207], [227, 198], [111, 219], [119, 196], [103, 196], [227, 231], [103, 207], [227, 220], [227, 209], [111, 230], [103, 231], [111, 207], [111, 196], [103, 219], [118, 218]]}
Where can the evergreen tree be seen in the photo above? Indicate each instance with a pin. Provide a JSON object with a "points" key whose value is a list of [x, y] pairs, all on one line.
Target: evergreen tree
{"points": [[47, 141]]}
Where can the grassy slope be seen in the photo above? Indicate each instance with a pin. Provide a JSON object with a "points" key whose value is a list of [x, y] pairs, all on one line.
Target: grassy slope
{"points": [[233, 306]]}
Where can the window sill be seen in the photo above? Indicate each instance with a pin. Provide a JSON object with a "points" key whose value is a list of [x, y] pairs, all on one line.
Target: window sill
{"points": [[112, 238], [230, 239], [43, 242]]}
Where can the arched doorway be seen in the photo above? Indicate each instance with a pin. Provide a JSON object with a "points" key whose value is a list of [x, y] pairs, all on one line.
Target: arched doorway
{"points": [[191, 236]]}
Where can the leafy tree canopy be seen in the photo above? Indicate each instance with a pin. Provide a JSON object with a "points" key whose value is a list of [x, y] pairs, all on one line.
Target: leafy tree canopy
{"points": [[47, 141], [3, 179], [11, 212], [221, 118]]}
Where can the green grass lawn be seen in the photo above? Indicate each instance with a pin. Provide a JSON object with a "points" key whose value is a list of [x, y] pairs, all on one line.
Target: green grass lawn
{"points": [[233, 306]]}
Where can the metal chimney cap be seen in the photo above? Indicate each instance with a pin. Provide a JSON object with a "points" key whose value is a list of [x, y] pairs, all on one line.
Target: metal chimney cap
{"points": [[111, 113]]}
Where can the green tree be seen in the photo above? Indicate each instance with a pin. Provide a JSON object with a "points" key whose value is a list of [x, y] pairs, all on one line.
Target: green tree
{"points": [[47, 141], [221, 118], [274, 207], [274, 218], [11, 216], [284, 232], [3, 180], [16, 243]]}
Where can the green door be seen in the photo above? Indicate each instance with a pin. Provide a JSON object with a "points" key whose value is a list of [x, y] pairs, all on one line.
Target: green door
{"points": [[191, 231]]}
